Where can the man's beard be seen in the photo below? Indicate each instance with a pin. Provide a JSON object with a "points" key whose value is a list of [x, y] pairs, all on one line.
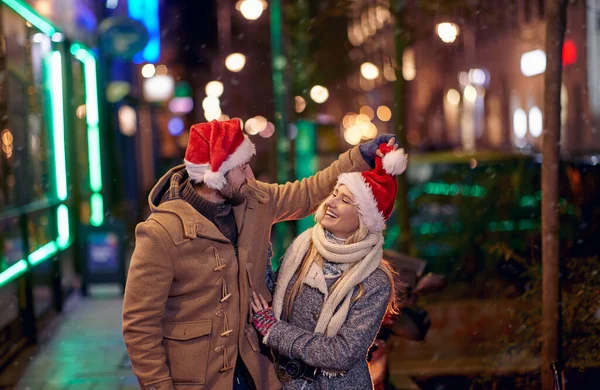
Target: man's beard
{"points": [[234, 196]]}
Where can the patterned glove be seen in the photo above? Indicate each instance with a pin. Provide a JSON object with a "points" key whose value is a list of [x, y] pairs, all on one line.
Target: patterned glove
{"points": [[263, 320], [368, 150]]}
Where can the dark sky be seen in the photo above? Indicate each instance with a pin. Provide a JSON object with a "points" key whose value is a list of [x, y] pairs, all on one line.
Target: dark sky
{"points": [[193, 28]]}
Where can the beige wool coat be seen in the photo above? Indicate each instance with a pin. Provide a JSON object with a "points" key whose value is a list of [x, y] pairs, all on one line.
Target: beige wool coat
{"points": [[186, 311]]}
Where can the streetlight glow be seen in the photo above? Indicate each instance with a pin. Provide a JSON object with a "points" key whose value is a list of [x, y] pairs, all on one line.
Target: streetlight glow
{"points": [[409, 69], [210, 103], [520, 123], [368, 111], [447, 32], [349, 120], [453, 96], [252, 9], [319, 94], [212, 113], [533, 63], [370, 132], [235, 62], [299, 104], [353, 135], [255, 125], [369, 71], [470, 93], [148, 71], [214, 88], [535, 121], [384, 113], [268, 131]]}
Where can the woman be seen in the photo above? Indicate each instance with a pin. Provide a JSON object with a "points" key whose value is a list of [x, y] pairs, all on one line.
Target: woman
{"points": [[333, 289]]}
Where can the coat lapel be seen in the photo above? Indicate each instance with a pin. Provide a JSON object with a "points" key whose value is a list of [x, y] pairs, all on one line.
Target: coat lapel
{"points": [[244, 217], [238, 213], [316, 279]]}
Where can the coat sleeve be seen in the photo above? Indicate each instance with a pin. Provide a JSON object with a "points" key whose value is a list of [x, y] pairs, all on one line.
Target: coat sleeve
{"points": [[148, 283], [349, 346], [299, 199]]}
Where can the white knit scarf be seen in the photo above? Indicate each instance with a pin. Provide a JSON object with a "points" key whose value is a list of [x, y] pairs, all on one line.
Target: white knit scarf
{"points": [[358, 260]]}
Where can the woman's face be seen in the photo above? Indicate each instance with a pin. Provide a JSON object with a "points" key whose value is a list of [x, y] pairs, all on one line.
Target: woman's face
{"points": [[341, 213]]}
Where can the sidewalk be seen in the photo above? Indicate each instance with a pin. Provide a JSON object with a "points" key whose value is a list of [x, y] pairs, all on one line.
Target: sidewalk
{"points": [[82, 349]]}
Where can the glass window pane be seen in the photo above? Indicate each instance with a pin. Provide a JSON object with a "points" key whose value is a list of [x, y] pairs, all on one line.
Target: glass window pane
{"points": [[11, 243], [25, 168]]}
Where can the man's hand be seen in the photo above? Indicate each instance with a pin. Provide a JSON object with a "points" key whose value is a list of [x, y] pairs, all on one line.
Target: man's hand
{"points": [[368, 150]]}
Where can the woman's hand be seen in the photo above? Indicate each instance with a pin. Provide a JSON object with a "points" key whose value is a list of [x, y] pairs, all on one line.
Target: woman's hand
{"points": [[263, 318]]}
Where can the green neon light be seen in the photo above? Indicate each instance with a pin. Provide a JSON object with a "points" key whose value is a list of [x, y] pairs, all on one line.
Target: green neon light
{"points": [[87, 58], [12, 272], [528, 201], [97, 207], [510, 226], [455, 189], [391, 236], [91, 91], [306, 161], [438, 227], [31, 16], [91, 83], [94, 158], [64, 234], [58, 124], [43, 253], [447, 189]]}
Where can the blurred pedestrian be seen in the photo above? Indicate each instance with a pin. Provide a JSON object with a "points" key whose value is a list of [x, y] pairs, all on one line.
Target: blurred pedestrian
{"points": [[203, 249], [334, 288]]}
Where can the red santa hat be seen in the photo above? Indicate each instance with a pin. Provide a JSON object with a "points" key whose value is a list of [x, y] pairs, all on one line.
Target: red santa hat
{"points": [[215, 148], [375, 190]]}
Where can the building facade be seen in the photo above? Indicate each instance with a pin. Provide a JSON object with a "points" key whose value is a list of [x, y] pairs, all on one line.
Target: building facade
{"points": [[483, 88]]}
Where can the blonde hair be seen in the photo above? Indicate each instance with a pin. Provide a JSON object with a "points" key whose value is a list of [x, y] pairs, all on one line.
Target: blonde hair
{"points": [[313, 256]]}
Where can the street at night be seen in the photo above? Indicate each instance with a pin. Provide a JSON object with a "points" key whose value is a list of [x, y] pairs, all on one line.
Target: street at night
{"points": [[299, 194]]}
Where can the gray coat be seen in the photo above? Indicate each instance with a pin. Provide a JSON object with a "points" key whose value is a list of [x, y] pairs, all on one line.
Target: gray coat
{"points": [[347, 351]]}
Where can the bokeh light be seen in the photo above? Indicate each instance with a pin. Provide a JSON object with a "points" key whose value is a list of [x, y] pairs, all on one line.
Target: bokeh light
{"points": [[214, 88], [319, 94], [235, 62]]}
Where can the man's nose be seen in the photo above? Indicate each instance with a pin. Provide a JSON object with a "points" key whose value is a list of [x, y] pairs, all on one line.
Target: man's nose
{"points": [[249, 173]]}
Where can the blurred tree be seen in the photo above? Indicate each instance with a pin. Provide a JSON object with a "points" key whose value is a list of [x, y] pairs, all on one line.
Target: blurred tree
{"points": [[312, 43], [556, 22]]}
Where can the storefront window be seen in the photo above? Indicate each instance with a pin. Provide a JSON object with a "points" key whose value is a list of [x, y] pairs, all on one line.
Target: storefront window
{"points": [[25, 168], [11, 243], [41, 229]]}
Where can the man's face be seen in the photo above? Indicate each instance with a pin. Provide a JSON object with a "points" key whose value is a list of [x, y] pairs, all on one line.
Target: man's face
{"points": [[236, 180]]}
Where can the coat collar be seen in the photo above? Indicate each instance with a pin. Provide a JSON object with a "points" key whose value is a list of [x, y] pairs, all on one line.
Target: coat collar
{"points": [[195, 224]]}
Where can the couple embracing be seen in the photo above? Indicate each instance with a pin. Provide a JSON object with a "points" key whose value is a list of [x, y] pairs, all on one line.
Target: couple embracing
{"points": [[197, 312]]}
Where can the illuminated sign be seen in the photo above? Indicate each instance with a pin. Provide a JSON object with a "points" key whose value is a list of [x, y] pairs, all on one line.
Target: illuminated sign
{"points": [[569, 53], [533, 63], [146, 11]]}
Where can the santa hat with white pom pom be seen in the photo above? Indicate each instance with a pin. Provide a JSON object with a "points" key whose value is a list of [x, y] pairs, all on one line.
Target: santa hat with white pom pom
{"points": [[215, 148], [375, 190]]}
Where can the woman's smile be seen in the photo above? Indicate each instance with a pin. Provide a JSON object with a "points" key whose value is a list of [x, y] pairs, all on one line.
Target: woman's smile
{"points": [[341, 215], [331, 214]]}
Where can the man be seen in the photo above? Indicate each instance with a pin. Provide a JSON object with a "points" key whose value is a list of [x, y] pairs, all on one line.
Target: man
{"points": [[200, 254]]}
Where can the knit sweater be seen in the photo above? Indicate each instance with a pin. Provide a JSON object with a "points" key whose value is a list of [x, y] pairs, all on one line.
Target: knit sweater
{"points": [[220, 214], [347, 351]]}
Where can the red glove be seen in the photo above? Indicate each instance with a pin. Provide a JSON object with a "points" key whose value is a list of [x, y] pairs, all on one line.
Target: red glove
{"points": [[263, 320]]}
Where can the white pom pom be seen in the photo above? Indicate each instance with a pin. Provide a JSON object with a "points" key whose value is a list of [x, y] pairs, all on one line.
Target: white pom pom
{"points": [[215, 180], [395, 162]]}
